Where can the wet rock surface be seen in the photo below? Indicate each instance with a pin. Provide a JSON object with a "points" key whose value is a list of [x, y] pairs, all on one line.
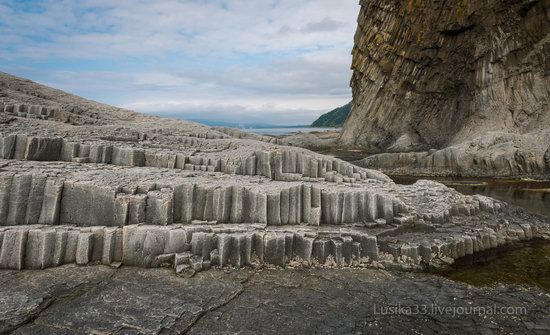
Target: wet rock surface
{"points": [[98, 299], [524, 264]]}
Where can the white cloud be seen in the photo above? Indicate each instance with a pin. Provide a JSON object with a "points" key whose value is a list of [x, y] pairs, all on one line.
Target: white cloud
{"points": [[261, 56]]}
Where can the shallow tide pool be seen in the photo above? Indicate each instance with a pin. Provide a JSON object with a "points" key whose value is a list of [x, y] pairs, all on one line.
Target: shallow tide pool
{"points": [[527, 264]]}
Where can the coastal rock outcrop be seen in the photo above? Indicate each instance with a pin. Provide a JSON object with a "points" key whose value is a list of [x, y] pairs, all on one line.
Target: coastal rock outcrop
{"points": [[435, 74], [493, 155], [150, 192]]}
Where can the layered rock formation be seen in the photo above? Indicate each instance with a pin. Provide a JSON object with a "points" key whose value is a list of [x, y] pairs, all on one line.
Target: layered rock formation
{"points": [[434, 74], [493, 155], [144, 191]]}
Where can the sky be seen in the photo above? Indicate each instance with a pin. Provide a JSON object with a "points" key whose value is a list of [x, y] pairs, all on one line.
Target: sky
{"points": [[271, 61]]}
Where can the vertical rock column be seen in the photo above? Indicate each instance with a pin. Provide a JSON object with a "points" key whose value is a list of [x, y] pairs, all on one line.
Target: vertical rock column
{"points": [[85, 204], [14, 243], [29, 199], [5, 191], [7, 146], [263, 166], [160, 207], [43, 149], [18, 200], [35, 199]]}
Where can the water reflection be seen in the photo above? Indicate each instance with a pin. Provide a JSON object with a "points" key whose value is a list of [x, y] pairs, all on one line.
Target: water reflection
{"points": [[526, 264], [532, 195]]}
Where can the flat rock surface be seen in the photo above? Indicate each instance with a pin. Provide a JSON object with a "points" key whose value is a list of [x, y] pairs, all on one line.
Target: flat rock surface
{"points": [[99, 299]]}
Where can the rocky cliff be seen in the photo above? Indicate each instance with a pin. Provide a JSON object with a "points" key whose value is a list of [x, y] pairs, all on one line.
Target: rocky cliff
{"points": [[430, 74]]}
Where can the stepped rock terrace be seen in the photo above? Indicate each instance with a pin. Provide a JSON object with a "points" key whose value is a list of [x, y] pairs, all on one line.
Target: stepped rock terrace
{"points": [[92, 184], [57, 213]]}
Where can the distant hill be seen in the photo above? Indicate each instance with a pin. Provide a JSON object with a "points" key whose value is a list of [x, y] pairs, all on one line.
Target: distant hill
{"points": [[334, 118]]}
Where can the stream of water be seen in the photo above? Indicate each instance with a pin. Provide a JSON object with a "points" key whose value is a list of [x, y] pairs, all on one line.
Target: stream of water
{"points": [[526, 264]]}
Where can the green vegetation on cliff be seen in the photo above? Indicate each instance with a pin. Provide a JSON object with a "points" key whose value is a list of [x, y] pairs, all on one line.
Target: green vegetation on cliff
{"points": [[334, 118]]}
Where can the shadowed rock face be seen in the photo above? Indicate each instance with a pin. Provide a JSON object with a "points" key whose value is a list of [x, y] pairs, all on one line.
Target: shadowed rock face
{"points": [[429, 74]]}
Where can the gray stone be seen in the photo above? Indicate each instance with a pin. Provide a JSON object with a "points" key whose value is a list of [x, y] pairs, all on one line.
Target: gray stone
{"points": [[274, 249], [40, 248], [14, 243], [17, 212], [84, 248]]}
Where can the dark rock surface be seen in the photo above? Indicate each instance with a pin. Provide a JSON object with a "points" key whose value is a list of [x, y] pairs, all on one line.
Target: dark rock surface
{"points": [[98, 299]]}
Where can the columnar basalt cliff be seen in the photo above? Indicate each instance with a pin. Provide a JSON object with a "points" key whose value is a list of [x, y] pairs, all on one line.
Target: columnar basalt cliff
{"points": [[143, 191], [434, 74]]}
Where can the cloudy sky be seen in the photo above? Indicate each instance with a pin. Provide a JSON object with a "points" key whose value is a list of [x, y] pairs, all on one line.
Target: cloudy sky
{"points": [[274, 61]]}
